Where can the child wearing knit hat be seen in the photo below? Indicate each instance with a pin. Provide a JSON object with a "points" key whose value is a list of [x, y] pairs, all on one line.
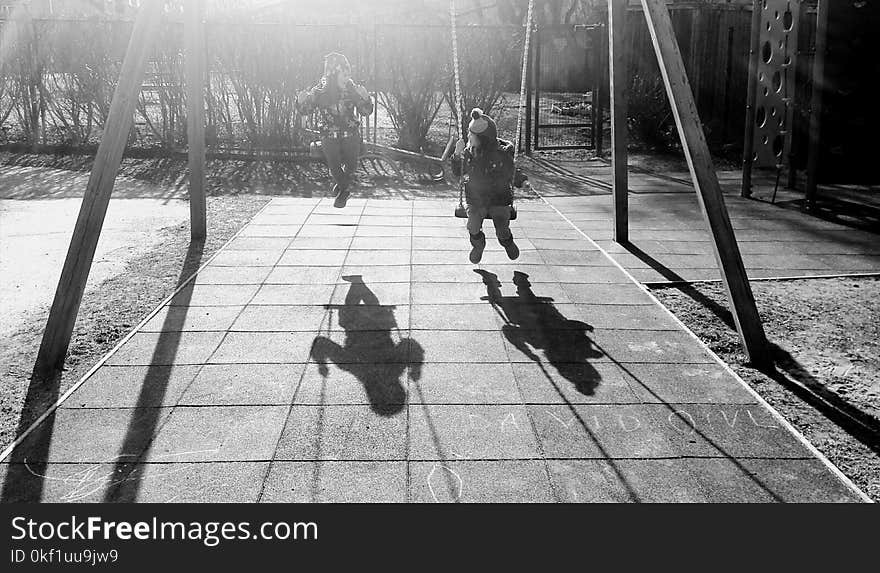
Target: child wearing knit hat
{"points": [[339, 103], [488, 170]]}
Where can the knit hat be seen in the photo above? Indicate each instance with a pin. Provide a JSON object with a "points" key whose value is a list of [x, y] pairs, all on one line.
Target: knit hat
{"points": [[335, 62], [483, 127]]}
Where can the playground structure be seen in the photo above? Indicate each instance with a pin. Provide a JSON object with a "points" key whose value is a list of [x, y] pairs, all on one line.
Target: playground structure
{"points": [[804, 113], [99, 189]]}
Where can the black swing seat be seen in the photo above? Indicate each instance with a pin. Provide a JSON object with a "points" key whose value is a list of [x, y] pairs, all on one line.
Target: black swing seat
{"points": [[461, 212]]}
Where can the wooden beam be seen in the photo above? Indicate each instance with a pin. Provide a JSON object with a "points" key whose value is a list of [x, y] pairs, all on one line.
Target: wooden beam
{"points": [[618, 60], [194, 36], [87, 231], [818, 84], [696, 151]]}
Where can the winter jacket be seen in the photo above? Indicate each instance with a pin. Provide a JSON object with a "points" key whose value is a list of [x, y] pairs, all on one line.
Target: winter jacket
{"points": [[338, 109], [488, 175]]}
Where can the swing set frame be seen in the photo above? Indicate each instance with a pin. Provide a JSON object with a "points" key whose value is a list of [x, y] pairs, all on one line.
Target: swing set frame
{"points": [[87, 231]]}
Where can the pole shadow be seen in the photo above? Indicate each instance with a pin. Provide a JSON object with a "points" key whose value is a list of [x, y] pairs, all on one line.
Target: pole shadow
{"points": [[27, 469], [369, 351], [784, 368], [126, 478]]}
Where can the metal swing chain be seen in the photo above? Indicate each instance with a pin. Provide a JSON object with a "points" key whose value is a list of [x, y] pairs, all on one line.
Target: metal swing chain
{"points": [[522, 87], [522, 84], [458, 98]]}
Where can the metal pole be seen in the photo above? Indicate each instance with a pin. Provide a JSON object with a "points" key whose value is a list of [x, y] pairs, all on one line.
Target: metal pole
{"points": [[816, 104], [751, 96]]}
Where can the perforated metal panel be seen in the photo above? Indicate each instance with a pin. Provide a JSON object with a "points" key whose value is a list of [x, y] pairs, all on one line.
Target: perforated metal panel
{"points": [[777, 51]]}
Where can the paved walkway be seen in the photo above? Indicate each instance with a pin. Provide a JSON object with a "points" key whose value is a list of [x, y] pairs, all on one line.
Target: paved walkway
{"points": [[354, 355], [668, 236]]}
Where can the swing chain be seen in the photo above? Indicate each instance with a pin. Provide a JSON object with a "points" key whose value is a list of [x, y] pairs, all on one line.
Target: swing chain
{"points": [[460, 104]]}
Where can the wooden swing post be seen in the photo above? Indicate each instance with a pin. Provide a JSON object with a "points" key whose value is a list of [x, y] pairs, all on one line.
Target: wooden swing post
{"points": [[711, 200], [618, 61], [90, 220], [194, 38]]}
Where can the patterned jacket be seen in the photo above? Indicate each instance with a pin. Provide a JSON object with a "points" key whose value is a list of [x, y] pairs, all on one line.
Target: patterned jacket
{"points": [[488, 175], [338, 111]]}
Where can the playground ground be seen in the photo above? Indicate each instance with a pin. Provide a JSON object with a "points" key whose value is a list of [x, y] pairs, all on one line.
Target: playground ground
{"points": [[842, 252]]}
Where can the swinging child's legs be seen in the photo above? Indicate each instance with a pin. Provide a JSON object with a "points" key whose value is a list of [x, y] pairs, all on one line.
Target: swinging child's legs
{"points": [[342, 161], [500, 215]]}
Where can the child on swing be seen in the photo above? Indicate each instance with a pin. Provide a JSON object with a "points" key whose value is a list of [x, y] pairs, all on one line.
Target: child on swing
{"points": [[488, 170], [339, 102]]}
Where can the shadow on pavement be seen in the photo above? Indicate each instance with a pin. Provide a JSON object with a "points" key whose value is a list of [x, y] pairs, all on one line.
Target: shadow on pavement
{"points": [[369, 351]]}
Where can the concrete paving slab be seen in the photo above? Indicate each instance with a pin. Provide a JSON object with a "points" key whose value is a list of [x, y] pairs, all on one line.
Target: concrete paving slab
{"points": [[33, 482], [184, 318], [573, 383], [218, 434], [232, 275], [263, 348], [383, 387], [160, 348], [312, 258], [243, 384], [285, 231], [478, 316], [372, 274], [319, 243], [302, 275], [214, 295], [503, 481], [685, 383], [315, 230], [97, 436], [214, 482], [378, 257], [341, 433], [133, 386], [434, 383], [618, 481], [336, 482], [726, 430], [293, 294], [291, 318], [258, 244], [462, 346], [599, 431], [446, 432], [381, 243]]}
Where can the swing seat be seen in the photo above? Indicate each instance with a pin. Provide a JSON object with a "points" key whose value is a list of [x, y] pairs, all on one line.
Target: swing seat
{"points": [[461, 212]]}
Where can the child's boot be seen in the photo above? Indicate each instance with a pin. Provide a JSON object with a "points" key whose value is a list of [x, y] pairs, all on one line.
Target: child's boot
{"points": [[341, 196], [510, 247], [478, 243]]}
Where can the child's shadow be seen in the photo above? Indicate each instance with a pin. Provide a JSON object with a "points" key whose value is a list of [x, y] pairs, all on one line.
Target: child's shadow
{"points": [[534, 324], [369, 351]]}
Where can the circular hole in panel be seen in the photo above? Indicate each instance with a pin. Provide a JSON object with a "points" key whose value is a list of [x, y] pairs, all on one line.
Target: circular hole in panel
{"points": [[760, 76], [777, 81], [761, 116], [782, 45], [776, 15], [787, 20], [755, 156], [769, 26], [778, 144], [767, 52], [787, 60], [772, 112], [764, 4], [764, 140], [766, 91]]}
